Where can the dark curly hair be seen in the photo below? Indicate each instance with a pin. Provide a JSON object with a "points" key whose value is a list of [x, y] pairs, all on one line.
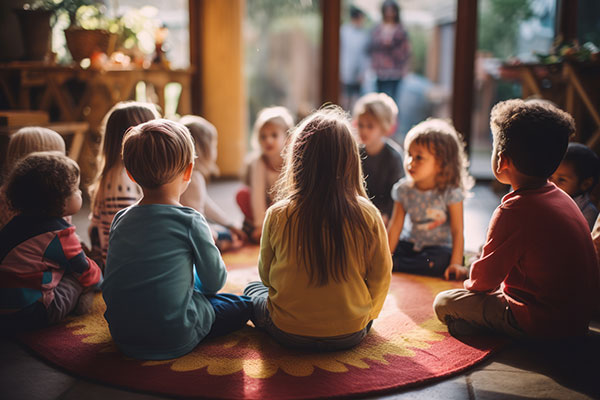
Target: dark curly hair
{"points": [[40, 183], [533, 134]]}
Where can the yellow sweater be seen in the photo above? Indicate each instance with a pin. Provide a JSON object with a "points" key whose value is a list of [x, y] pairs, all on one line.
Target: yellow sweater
{"points": [[334, 309]]}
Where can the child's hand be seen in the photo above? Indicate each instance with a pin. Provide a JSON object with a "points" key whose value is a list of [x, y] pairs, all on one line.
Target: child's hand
{"points": [[255, 235], [456, 272], [238, 234]]}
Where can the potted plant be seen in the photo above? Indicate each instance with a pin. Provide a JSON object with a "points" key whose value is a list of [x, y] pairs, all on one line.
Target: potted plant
{"points": [[36, 33], [88, 32]]}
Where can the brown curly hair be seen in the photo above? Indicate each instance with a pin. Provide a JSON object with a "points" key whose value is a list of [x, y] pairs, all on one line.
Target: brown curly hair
{"points": [[446, 145], [533, 134], [40, 183]]}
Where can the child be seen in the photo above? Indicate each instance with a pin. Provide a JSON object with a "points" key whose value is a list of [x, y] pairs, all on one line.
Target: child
{"points": [[577, 175], [537, 276], [113, 190], [225, 233], [43, 270], [269, 137], [324, 260], [163, 269], [375, 115], [431, 195], [23, 142]]}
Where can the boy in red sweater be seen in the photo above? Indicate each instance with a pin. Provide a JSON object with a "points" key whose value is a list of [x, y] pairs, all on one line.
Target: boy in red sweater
{"points": [[538, 275]]}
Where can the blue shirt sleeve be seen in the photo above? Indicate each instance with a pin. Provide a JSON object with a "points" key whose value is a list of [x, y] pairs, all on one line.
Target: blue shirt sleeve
{"points": [[399, 191], [207, 258]]}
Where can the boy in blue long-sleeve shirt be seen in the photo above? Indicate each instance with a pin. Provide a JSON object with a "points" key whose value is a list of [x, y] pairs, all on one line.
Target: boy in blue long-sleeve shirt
{"points": [[163, 269]]}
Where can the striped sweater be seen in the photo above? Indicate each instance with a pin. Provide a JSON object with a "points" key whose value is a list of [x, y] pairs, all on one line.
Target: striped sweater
{"points": [[35, 253], [118, 192]]}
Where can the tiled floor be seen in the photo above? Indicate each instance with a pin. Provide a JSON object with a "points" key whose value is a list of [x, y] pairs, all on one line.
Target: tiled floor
{"points": [[520, 371]]}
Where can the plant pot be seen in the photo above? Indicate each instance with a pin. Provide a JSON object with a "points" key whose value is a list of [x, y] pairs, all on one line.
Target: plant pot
{"points": [[36, 33], [82, 43]]}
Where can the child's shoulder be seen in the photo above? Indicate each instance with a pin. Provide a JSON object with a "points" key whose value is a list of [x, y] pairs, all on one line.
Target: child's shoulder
{"points": [[393, 148], [166, 212], [367, 206]]}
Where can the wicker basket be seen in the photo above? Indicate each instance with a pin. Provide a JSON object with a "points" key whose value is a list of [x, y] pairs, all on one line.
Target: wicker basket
{"points": [[82, 43]]}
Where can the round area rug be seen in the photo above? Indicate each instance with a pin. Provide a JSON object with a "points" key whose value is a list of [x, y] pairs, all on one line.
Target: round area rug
{"points": [[406, 346]]}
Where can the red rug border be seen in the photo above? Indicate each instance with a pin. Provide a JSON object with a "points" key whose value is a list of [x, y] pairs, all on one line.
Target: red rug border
{"points": [[390, 390]]}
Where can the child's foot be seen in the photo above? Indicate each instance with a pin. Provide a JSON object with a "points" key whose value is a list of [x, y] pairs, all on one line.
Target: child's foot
{"points": [[85, 303], [460, 327]]}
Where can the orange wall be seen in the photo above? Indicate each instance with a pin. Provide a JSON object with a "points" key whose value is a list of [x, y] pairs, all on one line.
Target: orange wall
{"points": [[224, 97]]}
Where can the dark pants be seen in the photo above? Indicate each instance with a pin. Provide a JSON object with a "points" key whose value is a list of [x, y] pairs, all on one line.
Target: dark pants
{"points": [[231, 311], [431, 260], [389, 87]]}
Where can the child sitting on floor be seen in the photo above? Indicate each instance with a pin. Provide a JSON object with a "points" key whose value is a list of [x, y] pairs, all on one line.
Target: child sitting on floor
{"points": [[23, 142], [269, 137], [538, 275], [163, 269], [577, 175], [226, 234], [432, 197], [375, 117], [43, 270], [113, 190], [324, 260]]}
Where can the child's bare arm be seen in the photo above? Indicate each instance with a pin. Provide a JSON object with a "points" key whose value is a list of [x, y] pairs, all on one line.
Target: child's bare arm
{"points": [[258, 193], [395, 225], [455, 267]]}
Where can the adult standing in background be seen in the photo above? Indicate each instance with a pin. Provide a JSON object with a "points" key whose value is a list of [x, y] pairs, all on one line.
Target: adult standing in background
{"points": [[390, 50], [354, 59]]}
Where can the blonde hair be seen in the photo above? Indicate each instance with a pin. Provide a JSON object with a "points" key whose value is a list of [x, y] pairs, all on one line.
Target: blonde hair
{"points": [[445, 143], [157, 151], [205, 136], [32, 139], [121, 117], [380, 106], [275, 115], [322, 183]]}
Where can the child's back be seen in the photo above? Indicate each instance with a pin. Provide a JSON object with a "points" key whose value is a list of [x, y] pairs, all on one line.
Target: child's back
{"points": [[538, 274], [151, 307], [324, 262], [163, 269], [338, 307], [540, 248]]}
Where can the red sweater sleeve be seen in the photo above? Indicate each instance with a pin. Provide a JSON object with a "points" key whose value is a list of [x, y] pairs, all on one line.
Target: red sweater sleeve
{"points": [[500, 253], [84, 269]]}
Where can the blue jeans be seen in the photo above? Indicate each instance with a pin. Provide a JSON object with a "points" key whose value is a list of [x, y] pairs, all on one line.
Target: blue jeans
{"points": [[389, 87], [262, 319], [231, 311], [431, 260]]}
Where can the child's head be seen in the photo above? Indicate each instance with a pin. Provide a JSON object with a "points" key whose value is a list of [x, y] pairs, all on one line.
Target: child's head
{"points": [[157, 152], [120, 118], [375, 115], [31, 139], [578, 172], [271, 130], [323, 157], [205, 140], [434, 150], [533, 135], [44, 184]]}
